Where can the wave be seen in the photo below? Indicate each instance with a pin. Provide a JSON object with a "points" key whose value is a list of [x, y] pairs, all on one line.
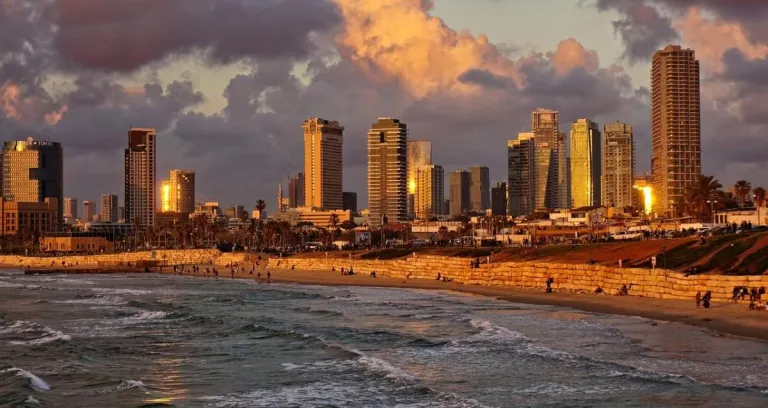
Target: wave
{"points": [[113, 291], [144, 316], [104, 300], [34, 381], [46, 334], [317, 312]]}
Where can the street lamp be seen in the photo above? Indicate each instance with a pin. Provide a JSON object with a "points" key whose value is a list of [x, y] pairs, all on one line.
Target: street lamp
{"points": [[712, 210]]}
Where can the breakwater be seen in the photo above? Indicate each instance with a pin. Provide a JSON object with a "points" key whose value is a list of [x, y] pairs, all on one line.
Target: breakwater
{"points": [[125, 259], [652, 283]]}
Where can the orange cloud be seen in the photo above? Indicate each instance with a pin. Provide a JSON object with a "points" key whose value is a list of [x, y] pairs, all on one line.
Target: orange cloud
{"points": [[571, 54]]}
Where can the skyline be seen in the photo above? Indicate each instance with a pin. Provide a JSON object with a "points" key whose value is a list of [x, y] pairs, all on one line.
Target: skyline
{"points": [[467, 106]]}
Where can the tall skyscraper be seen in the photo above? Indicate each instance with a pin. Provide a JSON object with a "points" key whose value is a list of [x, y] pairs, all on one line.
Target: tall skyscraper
{"points": [[419, 154], [479, 189], [550, 162], [350, 201], [521, 175], [279, 199], [140, 172], [618, 165], [89, 210], [323, 142], [430, 191], [296, 191], [387, 171], [33, 170], [499, 199], [458, 192], [586, 164], [70, 207], [676, 126], [178, 192], [109, 212]]}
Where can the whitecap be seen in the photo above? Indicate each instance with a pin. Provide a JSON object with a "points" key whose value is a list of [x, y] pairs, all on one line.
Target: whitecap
{"points": [[144, 316], [99, 300], [34, 381], [48, 334], [113, 291]]}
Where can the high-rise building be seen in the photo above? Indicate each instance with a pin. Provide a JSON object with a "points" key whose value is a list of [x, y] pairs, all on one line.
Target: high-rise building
{"points": [[323, 142], [33, 170], [177, 194], [279, 198], [70, 207], [618, 165], [458, 192], [140, 166], [430, 191], [109, 208], [349, 199], [120, 214], [643, 197], [499, 199], [479, 189], [419, 154], [89, 210], [296, 191], [675, 126], [586, 164], [521, 175], [550, 162], [387, 171]]}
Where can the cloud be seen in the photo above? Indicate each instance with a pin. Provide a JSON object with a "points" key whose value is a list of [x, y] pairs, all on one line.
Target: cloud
{"points": [[642, 27]]}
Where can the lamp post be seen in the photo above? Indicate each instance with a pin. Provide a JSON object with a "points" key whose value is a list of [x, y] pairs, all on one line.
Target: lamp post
{"points": [[712, 211]]}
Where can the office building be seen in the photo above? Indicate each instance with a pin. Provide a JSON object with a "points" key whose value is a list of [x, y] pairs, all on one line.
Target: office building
{"points": [[296, 191], [35, 217], [319, 219], [140, 172], [387, 171], [430, 192], [237, 211], [70, 208], [643, 198], [33, 170], [479, 189], [499, 199], [521, 175], [177, 194], [458, 192], [586, 164], [675, 126], [120, 214], [551, 173], [109, 212], [349, 200], [89, 210], [323, 142], [618, 165], [419, 154]]}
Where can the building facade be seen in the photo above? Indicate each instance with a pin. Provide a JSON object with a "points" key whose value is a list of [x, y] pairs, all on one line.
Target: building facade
{"points": [[458, 192], [33, 170], [430, 192], [89, 211], [521, 175], [18, 217], [479, 189], [70, 208], [586, 164], [618, 165], [387, 171], [349, 199], [296, 191], [675, 126], [323, 143], [109, 212], [419, 154], [499, 199], [550, 174], [178, 192], [140, 177]]}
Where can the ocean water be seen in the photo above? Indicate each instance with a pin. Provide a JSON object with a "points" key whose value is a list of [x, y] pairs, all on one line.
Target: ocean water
{"points": [[146, 340]]}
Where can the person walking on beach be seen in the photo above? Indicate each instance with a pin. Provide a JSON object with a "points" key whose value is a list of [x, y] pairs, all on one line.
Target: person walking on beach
{"points": [[269, 277], [707, 299], [698, 299]]}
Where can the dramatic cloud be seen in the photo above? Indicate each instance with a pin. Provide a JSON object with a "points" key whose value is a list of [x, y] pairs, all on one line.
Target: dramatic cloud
{"points": [[642, 27]]}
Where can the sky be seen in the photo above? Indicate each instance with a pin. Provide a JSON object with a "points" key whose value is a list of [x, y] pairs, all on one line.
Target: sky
{"points": [[227, 83]]}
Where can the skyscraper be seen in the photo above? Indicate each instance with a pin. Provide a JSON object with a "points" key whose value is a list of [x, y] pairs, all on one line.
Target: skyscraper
{"points": [[33, 170], [279, 198], [178, 192], [458, 192], [618, 165], [419, 154], [109, 212], [586, 164], [350, 201], [479, 189], [323, 142], [521, 175], [89, 210], [499, 199], [296, 191], [140, 166], [70, 207], [387, 171], [550, 175], [430, 191], [676, 126]]}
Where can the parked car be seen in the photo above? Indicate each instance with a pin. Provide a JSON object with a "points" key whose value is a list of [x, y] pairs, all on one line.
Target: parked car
{"points": [[626, 236]]}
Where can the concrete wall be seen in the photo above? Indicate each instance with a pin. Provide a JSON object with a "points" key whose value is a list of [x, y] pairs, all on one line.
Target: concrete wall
{"points": [[573, 278], [171, 257]]}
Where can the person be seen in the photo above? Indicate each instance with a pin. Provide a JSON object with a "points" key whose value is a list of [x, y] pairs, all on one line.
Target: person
{"points": [[735, 297], [707, 299], [232, 271], [342, 270], [550, 281], [753, 294], [698, 299], [373, 274], [620, 263], [269, 277], [258, 277], [293, 267], [653, 262], [439, 276], [599, 291]]}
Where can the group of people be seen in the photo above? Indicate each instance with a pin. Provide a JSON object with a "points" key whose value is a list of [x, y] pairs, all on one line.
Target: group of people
{"points": [[705, 300], [741, 292], [443, 278]]}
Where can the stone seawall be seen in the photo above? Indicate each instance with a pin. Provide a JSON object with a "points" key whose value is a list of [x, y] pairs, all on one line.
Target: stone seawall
{"points": [[169, 257], [658, 283]]}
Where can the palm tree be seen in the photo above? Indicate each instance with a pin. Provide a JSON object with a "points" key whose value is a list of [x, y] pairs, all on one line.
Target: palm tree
{"points": [[261, 205], [742, 188], [701, 196], [333, 221], [759, 196]]}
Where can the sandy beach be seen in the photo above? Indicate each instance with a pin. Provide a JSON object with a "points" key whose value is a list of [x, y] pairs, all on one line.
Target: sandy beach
{"points": [[725, 318]]}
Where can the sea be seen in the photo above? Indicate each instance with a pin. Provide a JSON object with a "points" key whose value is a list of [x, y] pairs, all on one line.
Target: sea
{"points": [[153, 340]]}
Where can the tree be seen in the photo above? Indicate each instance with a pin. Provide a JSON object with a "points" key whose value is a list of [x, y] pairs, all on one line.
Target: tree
{"points": [[334, 223], [701, 196], [261, 205], [759, 196], [742, 188]]}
